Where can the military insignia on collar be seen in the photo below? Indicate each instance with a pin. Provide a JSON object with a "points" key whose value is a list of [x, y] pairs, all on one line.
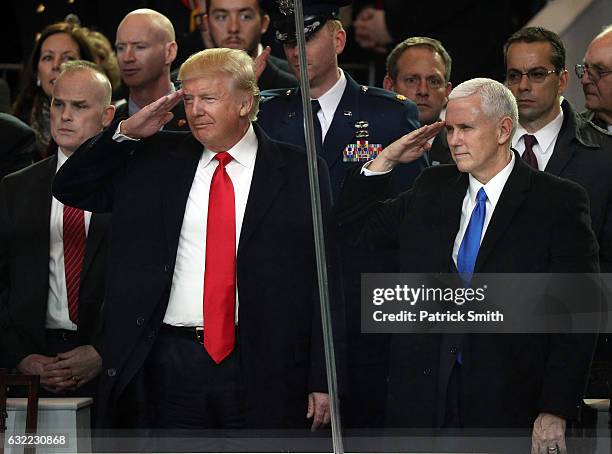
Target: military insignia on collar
{"points": [[361, 151], [364, 88], [400, 97], [348, 113], [288, 93]]}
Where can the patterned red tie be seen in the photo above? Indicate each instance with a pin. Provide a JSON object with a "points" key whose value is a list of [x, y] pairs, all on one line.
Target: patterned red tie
{"points": [[220, 273], [528, 155], [74, 252]]}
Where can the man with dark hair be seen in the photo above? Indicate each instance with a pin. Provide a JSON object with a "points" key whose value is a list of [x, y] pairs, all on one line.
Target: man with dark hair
{"points": [[240, 24], [420, 68], [553, 137], [53, 256], [596, 77], [352, 124]]}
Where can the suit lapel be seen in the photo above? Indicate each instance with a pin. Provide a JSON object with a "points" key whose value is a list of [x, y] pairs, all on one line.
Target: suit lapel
{"points": [[182, 165], [448, 210], [98, 225], [512, 197], [562, 152], [40, 209], [268, 179]]}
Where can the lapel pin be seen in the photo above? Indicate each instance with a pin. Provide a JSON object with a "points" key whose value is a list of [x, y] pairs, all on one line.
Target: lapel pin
{"points": [[348, 113]]}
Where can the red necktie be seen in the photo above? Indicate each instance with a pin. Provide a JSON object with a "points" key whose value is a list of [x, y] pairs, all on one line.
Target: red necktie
{"points": [[74, 252], [528, 155], [220, 273]]}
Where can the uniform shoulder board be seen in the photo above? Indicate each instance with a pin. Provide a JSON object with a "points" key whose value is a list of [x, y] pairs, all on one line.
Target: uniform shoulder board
{"points": [[382, 93]]}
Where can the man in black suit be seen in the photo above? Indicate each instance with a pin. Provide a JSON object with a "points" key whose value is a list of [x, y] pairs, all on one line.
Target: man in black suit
{"points": [[146, 48], [491, 213], [18, 144], [173, 260], [240, 24], [53, 257], [419, 68], [564, 144]]}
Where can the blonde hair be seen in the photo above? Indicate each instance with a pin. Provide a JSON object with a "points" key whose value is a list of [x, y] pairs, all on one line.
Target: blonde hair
{"points": [[236, 64], [334, 25]]}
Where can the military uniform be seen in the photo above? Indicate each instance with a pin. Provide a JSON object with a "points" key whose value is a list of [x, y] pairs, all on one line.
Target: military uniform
{"points": [[366, 120]]}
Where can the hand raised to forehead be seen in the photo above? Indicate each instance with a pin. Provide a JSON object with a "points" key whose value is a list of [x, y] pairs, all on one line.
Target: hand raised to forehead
{"points": [[407, 148], [149, 120]]}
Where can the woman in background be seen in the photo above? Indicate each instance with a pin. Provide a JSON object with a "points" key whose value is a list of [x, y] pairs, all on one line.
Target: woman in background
{"points": [[58, 42]]}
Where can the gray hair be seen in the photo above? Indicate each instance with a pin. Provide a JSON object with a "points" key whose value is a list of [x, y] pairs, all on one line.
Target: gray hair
{"points": [[95, 71], [496, 100]]}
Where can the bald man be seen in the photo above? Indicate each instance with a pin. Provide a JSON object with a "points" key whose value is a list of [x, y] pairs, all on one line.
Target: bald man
{"points": [[52, 257], [596, 77], [146, 48]]}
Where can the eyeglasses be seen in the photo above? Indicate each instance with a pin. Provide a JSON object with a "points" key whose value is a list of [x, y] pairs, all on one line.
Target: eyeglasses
{"points": [[432, 82], [536, 75], [595, 73]]}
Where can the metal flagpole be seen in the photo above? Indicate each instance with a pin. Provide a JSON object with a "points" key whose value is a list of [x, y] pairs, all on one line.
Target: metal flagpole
{"points": [[319, 236]]}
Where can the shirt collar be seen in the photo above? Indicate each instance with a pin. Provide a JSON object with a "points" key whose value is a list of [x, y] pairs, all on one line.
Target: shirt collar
{"points": [[242, 152], [495, 186], [544, 136], [61, 158], [331, 98]]}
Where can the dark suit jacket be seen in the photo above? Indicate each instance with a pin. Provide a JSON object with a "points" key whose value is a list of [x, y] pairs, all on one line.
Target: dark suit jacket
{"points": [[178, 122], [146, 185], [18, 144], [388, 117], [584, 154], [25, 209], [541, 224]]}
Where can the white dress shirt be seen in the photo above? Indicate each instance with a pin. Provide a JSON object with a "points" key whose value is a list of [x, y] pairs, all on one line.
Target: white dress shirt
{"points": [[57, 301], [493, 189], [185, 307], [546, 137], [329, 102]]}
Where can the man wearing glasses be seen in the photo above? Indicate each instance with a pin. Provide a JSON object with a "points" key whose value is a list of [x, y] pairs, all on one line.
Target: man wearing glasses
{"points": [[596, 77], [552, 137], [419, 68]]}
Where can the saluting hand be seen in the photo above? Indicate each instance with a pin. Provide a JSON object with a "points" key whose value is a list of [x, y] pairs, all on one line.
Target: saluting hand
{"points": [[261, 61], [406, 149], [149, 120]]}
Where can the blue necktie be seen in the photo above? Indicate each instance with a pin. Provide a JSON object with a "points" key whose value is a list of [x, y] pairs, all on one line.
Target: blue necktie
{"points": [[317, 126], [468, 251]]}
